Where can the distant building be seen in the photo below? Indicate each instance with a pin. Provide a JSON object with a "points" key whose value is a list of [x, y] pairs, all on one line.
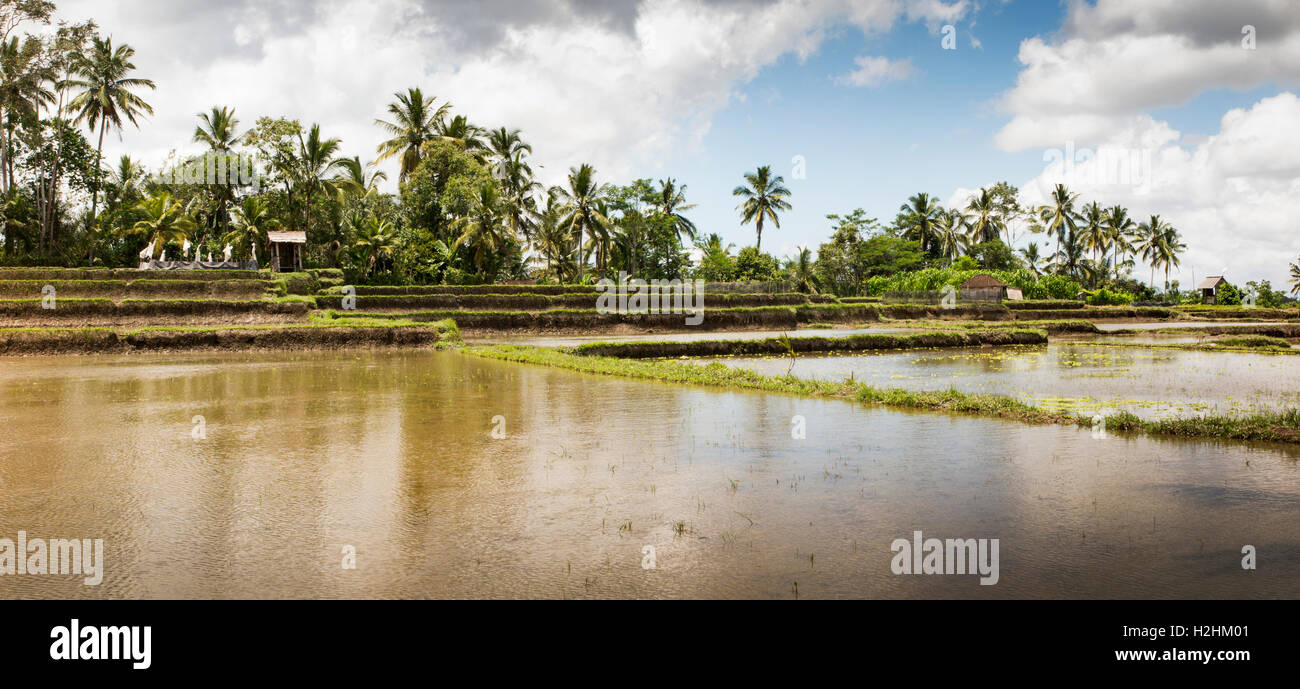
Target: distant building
{"points": [[1210, 289], [985, 287], [286, 250]]}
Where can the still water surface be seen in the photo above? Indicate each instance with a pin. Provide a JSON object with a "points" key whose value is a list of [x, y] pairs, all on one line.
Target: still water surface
{"points": [[392, 452]]}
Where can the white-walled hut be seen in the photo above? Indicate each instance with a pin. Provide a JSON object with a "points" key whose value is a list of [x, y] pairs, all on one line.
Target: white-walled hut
{"points": [[286, 250], [985, 287]]}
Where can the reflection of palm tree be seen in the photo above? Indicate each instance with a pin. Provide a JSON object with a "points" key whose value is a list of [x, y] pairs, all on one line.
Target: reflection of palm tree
{"points": [[415, 119], [764, 195], [920, 218]]}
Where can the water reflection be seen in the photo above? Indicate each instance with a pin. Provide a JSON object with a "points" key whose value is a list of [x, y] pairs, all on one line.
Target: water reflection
{"points": [[391, 452]]}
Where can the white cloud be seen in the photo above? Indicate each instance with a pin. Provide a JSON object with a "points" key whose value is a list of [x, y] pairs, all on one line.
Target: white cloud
{"points": [[1234, 196], [1117, 59], [874, 71], [615, 85]]}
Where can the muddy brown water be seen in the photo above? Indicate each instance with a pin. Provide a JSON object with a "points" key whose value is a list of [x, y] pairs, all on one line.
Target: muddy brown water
{"points": [[1082, 376], [392, 452]]}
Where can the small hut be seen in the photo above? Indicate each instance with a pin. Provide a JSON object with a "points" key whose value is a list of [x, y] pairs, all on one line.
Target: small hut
{"points": [[286, 250], [985, 287], [1210, 289]]}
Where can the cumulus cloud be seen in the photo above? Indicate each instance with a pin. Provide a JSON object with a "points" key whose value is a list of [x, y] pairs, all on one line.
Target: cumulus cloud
{"points": [[874, 71], [614, 84], [1115, 60], [1234, 196]]}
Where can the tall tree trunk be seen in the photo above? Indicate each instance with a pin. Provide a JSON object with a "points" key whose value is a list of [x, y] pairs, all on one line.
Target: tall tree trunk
{"points": [[759, 244], [94, 195]]}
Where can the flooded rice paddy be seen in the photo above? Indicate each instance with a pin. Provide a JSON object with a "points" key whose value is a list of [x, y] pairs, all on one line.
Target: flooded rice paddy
{"points": [[1078, 376], [393, 453]]}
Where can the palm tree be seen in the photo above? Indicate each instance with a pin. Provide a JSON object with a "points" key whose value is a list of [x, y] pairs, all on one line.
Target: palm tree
{"points": [[315, 164], [1151, 233], [919, 220], [1169, 248], [468, 137], [1295, 277], [353, 179], [162, 220], [22, 93], [1119, 228], [1094, 228], [763, 196], [583, 197], [483, 228], [986, 220], [252, 220], [1059, 216], [802, 273], [950, 236], [1069, 257], [1030, 254], [507, 145], [106, 95], [218, 129], [376, 238], [552, 238], [415, 122], [670, 202]]}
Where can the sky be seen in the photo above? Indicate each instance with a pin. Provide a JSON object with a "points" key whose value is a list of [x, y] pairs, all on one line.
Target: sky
{"points": [[1183, 108]]}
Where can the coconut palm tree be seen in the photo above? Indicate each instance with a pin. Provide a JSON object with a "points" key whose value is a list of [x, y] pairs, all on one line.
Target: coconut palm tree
{"points": [[507, 145], [802, 272], [1295, 277], [219, 131], [919, 220], [352, 178], [415, 122], [162, 220], [1119, 229], [251, 221], [1070, 256], [376, 239], [315, 165], [1168, 251], [552, 238], [764, 195], [1094, 235], [670, 202], [986, 222], [584, 216], [1151, 233], [106, 96], [951, 236], [22, 94], [466, 136], [518, 202], [1032, 258], [1059, 216], [483, 229]]}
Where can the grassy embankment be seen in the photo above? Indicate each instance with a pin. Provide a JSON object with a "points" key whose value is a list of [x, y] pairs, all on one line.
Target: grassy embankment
{"points": [[796, 345], [1277, 427]]}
